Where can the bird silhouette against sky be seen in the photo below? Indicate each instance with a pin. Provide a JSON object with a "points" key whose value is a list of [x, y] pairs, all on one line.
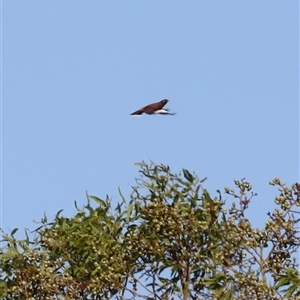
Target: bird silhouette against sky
{"points": [[154, 108]]}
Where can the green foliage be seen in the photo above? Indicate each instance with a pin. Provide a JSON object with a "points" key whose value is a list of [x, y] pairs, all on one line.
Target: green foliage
{"points": [[170, 239]]}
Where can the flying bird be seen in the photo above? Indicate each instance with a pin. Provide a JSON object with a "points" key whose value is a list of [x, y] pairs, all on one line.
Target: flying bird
{"points": [[154, 108]]}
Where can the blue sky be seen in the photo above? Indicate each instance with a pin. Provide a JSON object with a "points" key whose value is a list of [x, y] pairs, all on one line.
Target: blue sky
{"points": [[73, 71]]}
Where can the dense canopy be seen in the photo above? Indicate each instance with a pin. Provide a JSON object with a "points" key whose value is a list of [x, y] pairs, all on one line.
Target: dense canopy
{"points": [[169, 239]]}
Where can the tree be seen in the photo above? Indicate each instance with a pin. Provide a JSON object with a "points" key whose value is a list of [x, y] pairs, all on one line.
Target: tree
{"points": [[170, 240]]}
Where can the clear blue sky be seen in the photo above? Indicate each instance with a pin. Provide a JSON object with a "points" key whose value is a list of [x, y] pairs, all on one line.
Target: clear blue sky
{"points": [[73, 71]]}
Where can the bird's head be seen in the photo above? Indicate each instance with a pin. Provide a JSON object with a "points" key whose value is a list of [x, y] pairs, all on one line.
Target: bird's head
{"points": [[165, 101]]}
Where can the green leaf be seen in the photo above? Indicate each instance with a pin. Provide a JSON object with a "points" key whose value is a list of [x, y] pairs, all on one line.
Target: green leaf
{"points": [[188, 175], [101, 202], [13, 232], [78, 209], [120, 193], [283, 281], [129, 211], [289, 292], [57, 214]]}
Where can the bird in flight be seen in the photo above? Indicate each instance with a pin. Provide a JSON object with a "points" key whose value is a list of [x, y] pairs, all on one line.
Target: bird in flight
{"points": [[154, 108]]}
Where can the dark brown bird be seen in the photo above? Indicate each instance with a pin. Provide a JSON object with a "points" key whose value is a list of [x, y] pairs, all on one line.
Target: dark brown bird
{"points": [[154, 108]]}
